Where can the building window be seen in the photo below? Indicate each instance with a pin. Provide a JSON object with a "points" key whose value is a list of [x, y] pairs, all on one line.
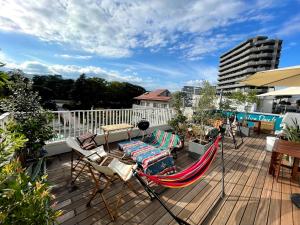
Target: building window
{"points": [[148, 103], [154, 104]]}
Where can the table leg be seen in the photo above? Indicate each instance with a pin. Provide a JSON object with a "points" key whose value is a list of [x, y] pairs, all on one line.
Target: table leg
{"points": [[106, 134], [278, 166], [129, 133], [295, 171]]}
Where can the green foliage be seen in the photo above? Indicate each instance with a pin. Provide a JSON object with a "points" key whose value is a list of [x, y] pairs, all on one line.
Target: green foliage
{"points": [[85, 92], [292, 133], [243, 97], [206, 103], [10, 142], [179, 121], [3, 77], [226, 105], [31, 120], [177, 100], [23, 201]]}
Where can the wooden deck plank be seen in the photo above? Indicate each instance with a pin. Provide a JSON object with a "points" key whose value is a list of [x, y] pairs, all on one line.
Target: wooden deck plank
{"points": [[235, 187], [242, 201], [275, 204], [286, 203], [252, 206], [94, 215], [234, 191], [157, 210], [208, 199], [295, 188], [252, 195]]}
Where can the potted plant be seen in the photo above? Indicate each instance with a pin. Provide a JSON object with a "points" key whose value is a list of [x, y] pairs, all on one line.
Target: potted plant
{"points": [[199, 142], [291, 134], [203, 119]]}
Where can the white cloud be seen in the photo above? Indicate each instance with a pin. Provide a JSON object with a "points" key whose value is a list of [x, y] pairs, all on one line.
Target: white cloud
{"points": [[116, 28], [71, 71], [290, 27], [66, 56]]}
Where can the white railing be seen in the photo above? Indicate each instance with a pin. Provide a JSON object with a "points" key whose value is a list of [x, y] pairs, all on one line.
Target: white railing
{"points": [[4, 118], [75, 123]]}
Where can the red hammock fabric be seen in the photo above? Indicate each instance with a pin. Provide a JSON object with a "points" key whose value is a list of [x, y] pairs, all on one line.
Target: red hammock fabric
{"points": [[190, 174]]}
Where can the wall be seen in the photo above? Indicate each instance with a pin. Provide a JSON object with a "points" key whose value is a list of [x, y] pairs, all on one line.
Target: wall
{"points": [[151, 104]]}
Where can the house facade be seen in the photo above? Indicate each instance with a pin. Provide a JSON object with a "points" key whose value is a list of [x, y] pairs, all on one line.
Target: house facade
{"points": [[159, 98]]}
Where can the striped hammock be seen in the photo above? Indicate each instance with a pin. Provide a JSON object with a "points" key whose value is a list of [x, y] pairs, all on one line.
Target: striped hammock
{"points": [[189, 175]]}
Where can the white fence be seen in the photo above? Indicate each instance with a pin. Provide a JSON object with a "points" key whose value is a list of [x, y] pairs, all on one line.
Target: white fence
{"points": [[75, 123], [4, 118]]}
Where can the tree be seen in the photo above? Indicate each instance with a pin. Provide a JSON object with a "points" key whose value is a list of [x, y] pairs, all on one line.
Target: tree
{"points": [[31, 119], [3, 77], [88, 92], [206, 103], [179, 121]]}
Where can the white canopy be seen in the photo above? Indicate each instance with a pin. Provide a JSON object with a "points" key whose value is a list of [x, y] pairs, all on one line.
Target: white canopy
{"points": [[283, 92]]}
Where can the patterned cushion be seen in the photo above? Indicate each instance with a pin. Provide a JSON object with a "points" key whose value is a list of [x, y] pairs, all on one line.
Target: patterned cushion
{"points": [[153, 160]]}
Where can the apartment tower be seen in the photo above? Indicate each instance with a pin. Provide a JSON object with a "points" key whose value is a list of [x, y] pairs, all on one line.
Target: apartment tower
{"points": [[255, 54]]}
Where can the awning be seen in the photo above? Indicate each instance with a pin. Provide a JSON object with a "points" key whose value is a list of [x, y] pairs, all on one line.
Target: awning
{"points": [[283, 92], [288, 76]]}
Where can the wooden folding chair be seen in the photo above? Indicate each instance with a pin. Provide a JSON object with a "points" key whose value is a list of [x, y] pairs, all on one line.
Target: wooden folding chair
{"points": [[115, 170], [94, 155]]}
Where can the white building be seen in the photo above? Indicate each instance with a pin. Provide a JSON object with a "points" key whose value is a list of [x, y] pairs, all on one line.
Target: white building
{"points": [[159, 98]]}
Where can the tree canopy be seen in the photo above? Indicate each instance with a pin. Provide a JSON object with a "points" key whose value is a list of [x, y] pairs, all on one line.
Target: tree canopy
{"points": [[84, 92]]}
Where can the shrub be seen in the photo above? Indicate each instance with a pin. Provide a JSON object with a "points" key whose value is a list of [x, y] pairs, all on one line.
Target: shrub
{"points": [[31, 120], [22, 200]]}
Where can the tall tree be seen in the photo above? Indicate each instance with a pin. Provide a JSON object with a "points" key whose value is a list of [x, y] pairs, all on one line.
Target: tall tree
{"points": [[3, 77]]}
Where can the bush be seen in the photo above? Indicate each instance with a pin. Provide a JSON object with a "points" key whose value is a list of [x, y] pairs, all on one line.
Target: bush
{"points": [[23, 201], [31, 120]]}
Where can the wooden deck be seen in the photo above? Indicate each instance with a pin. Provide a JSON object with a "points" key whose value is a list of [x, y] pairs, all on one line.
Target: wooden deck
{"points": [[252, 195]]}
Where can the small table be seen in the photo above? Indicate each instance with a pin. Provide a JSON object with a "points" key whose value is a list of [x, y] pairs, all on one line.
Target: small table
{"points": [[108, 128], [280, 148], [258, 125]]}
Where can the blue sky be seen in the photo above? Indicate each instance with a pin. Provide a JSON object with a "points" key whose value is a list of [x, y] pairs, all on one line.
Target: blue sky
{"points": [[156, 44]]}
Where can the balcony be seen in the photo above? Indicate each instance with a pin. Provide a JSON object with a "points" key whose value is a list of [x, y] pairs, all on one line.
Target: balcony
{"points": [[252, 195]]}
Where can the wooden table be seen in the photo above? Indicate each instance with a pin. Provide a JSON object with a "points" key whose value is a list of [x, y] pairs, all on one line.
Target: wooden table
{"points": [[280, 148], [116, 127]]}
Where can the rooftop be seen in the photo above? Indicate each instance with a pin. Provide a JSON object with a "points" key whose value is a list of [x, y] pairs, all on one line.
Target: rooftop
{"points": [[156, 95], [252, 195]]}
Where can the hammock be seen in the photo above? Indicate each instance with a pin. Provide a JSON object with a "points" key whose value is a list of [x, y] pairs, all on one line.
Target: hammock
{"points": [[189, 175], [186, 177]]}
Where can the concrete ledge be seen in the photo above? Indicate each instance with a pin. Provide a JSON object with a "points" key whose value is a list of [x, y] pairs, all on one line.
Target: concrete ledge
{"points": [[59, 147]]}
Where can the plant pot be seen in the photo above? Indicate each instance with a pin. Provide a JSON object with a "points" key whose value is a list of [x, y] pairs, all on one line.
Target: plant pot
{"points": [[245, 131], [197, 148], [270, 142]]}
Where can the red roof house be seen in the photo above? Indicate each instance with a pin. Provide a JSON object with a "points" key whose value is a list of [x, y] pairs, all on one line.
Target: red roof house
{"points": [[156, 98]]}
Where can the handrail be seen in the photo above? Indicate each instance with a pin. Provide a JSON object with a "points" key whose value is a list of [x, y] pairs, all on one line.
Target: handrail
{"points": [[74, 123]]}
